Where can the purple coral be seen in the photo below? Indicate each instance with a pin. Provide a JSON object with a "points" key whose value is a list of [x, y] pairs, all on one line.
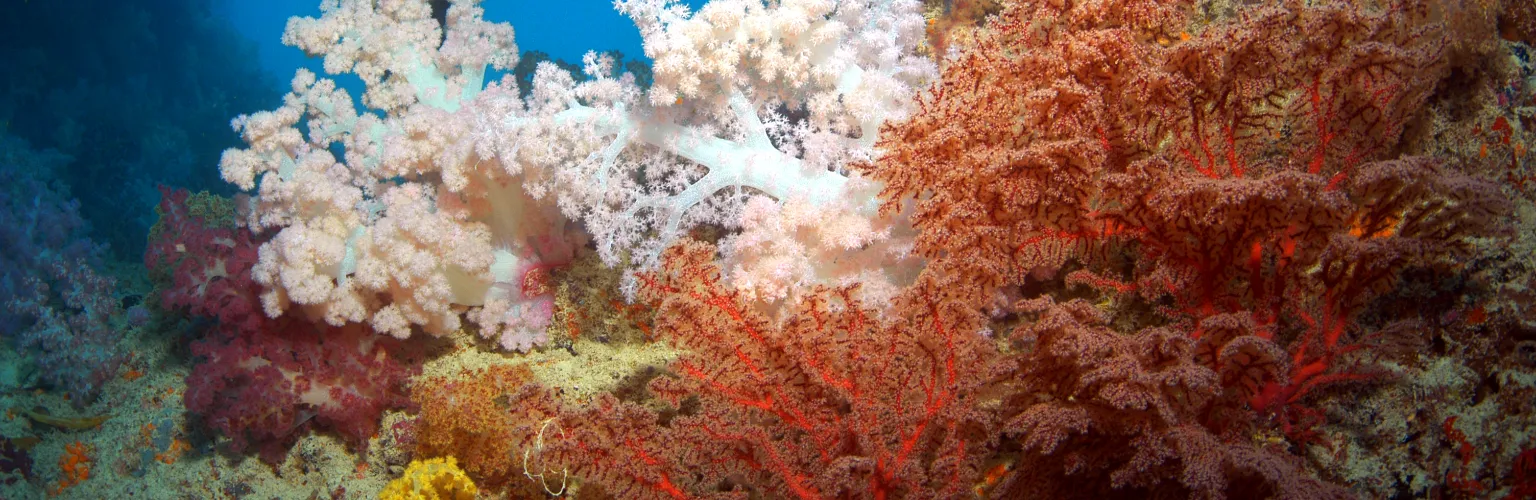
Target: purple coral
{"points": [[15, 462], [37, 223], [70, 334], [52, 301]]}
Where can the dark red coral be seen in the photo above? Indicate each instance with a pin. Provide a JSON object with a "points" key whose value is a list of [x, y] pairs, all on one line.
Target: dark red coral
{"points": [[1154, 414], [210, 266], [264, 388], [263, 382]]}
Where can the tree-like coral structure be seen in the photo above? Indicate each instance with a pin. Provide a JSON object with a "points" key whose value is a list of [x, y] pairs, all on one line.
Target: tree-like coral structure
{"points": [[54, 303], [1241, 167], [1187, 165], [450, 192], [834, 403], [1113, 122]]}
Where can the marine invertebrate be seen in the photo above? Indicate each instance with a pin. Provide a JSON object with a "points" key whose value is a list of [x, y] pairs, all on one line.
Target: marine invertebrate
{"points": [[208, 264], [433, 479], [454, 189], [481, 418], [262, 389], [832, 402], [74, 467]]}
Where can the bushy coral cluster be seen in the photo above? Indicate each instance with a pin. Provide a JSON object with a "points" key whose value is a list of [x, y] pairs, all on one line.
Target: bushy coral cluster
{"points": [[435, 479], [260, 381], [209, 264], [37, 222], [54, 303], [443, 204], [264, 389], [71, 332], [484, 418]]}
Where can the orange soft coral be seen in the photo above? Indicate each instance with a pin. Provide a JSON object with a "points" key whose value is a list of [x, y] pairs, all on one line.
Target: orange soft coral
{"points": [[74, 466], [482, 418]]}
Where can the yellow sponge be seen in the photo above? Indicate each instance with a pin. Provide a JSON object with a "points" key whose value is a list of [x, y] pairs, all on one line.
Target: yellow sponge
{"points": [[435, 479]]}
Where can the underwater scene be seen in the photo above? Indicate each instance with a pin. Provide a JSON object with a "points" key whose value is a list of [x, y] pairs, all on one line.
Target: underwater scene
{"points": [[768, 249]]}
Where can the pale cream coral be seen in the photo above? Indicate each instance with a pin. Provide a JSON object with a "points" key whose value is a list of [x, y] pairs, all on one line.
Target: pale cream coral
{"points": [[786, 249]]}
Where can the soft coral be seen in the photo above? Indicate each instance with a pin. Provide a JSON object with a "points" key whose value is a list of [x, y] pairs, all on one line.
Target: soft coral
{"points": [[210, 265], [264, 387]]}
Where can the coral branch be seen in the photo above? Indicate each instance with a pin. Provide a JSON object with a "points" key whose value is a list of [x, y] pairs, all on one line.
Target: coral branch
{"points": [[833, 403]]}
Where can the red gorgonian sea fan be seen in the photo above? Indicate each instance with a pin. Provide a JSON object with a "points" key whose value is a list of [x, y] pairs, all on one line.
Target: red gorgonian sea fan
{"points": [[1187, 165], [832, 403]]}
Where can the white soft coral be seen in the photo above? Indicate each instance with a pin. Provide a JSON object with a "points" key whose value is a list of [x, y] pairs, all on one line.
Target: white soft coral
{"points": [[447, 187], [786, 248]]}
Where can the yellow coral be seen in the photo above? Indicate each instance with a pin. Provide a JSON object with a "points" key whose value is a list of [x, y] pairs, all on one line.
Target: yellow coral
{"points": [[435, 479]]}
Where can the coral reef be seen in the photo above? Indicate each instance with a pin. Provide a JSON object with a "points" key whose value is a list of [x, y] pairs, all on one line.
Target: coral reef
{"points": [[834, 402], [55, 302], [818, 249]]}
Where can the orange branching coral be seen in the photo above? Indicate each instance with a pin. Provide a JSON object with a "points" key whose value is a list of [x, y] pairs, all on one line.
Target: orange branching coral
{"points": [[482, 418], [834, 403], [1229, 164], [1006, 150], [1026, 141]]}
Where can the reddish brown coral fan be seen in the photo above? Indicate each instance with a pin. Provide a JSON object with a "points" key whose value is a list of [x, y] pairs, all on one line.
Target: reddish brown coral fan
{"points": [[832, 404], [1188, 169], [1159, 414]]}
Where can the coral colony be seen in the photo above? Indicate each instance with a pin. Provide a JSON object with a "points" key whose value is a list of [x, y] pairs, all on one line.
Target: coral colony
{"points": [[831, 249]]}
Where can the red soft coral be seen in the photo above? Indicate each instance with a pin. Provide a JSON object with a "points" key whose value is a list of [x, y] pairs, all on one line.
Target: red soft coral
{"points": [[262, 388], [1152, 414], [210, 266]]}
